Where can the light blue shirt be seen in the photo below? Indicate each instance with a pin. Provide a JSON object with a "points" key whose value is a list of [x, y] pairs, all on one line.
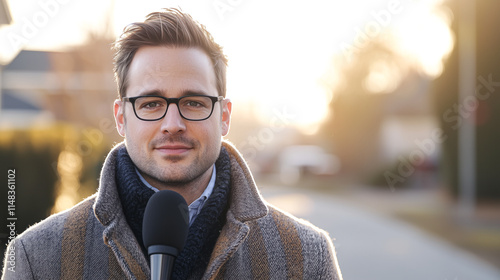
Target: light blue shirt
{"points": [[196, 206]]}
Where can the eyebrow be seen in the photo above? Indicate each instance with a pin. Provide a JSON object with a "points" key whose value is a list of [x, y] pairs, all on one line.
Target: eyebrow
{"points": [[162, 93], [150, 92]]}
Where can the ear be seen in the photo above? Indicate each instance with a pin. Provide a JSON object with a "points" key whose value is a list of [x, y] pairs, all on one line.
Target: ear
{"points": [[118, 109], [227, 106]]}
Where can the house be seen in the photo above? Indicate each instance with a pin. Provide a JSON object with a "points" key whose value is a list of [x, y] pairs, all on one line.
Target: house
{"points": [[23, 82]]}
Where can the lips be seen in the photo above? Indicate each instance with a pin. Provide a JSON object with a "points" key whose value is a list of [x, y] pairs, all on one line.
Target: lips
{"points": [[173, 149]]}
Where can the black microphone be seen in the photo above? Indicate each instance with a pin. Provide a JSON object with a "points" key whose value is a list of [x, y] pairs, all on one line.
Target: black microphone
{"points": [[164, 231]]}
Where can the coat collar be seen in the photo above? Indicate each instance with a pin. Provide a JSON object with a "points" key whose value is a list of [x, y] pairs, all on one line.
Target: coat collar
{"points": [[246, 202], [117, 234], [108, 205]]}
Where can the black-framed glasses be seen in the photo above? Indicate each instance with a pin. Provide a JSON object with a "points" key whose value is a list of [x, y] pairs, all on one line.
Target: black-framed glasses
{"points": [[191, 107]]}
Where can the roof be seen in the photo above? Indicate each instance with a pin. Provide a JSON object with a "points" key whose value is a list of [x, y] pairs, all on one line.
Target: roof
{"points": [[13, 101], [30, 61]]}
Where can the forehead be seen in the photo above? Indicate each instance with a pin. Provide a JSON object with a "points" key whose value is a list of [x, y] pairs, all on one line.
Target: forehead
{"points": [[170, 70]]}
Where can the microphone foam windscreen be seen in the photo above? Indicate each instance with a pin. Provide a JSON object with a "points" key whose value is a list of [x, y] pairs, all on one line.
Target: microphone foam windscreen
{"points": [[166, 220]]}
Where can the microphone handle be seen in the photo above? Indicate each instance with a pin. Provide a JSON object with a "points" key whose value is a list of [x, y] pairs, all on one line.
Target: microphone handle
{"points": [[161, 266]]}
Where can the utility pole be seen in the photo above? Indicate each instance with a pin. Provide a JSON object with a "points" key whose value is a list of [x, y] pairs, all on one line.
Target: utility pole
{"points": [[466, 89]]}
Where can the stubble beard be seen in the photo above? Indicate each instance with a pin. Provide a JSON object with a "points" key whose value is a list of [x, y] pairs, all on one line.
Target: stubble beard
{"points": [[172, 172]]}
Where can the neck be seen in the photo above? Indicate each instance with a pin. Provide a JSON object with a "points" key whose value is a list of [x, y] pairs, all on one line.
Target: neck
{"points": [[190, 191]]}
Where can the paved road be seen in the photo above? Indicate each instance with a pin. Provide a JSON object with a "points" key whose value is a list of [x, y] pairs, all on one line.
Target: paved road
{"points": [[370, 246]]}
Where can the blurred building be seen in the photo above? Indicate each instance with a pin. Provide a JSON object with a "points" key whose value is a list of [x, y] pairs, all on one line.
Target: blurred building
{"points": [[24, 82], [75, 86]]}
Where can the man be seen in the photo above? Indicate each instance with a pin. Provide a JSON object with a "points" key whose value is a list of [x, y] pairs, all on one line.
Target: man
{"points": [[172, 113]]}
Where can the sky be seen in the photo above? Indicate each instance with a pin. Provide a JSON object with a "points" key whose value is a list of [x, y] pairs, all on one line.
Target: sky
{"points": [[279, 51]]}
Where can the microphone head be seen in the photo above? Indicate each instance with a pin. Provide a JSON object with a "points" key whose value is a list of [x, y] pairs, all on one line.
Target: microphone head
{"points": [[166, 221]]}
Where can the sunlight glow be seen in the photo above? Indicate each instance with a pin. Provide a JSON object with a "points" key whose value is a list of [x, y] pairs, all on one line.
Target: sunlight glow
{"points": [[425, 37], [69, 167], [383, 77], [415, 34]]}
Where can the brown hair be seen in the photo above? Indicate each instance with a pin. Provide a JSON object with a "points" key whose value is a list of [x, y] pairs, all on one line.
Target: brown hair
{"points": [[170, 27]]}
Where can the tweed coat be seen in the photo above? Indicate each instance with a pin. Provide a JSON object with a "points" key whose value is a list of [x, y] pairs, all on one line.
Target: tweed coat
{"points": [[92, 240]]}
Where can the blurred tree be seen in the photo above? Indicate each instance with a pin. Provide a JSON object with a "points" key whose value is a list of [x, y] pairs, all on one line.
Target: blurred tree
{"points": [[445, 93], [35, 155], [384, 86], [356, 114], [376, 84]]}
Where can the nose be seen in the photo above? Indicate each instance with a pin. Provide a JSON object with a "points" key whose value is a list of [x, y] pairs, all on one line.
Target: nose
{"points": [[173, 123]]}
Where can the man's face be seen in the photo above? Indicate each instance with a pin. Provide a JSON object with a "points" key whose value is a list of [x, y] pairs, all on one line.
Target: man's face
{"points": [[172, 151]]}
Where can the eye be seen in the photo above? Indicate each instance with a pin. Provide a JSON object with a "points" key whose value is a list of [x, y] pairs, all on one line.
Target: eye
{"points": [[151, 105], [195, 102], [192, 103]]}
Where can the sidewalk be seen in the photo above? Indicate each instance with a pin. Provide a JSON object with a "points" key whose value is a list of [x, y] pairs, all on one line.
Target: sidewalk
{"points": [[373, 246]]}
